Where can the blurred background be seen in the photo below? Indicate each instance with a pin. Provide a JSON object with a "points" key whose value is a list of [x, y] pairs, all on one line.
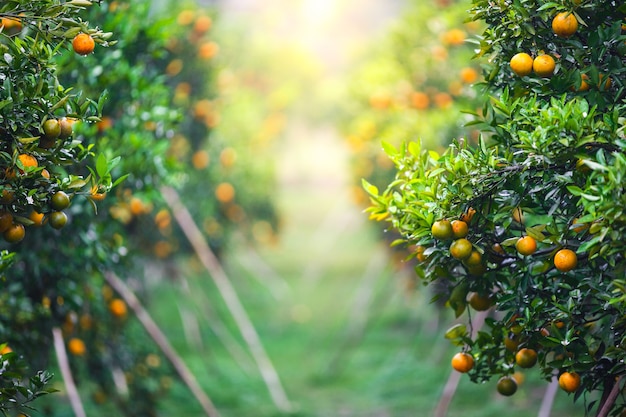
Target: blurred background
{"points": [[264, 116]]}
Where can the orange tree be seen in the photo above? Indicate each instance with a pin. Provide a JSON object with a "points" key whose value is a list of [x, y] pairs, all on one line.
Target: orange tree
{"points": [[43, 162], [542, 195], [412, 82]]}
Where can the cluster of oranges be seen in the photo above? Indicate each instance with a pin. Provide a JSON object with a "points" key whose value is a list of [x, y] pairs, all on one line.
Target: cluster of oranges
{"points": [[30, 168], [471, 257], [564, 25]]}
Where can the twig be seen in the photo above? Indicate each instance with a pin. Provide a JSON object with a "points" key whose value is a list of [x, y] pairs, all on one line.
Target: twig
{"points": [[159, 338], [66, 372], [228, 293]]}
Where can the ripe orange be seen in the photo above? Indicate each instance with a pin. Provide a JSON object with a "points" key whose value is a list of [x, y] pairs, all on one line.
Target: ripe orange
{"points": [[36, 218], [521, 64], [507, 386], [526, 245], [66, 128], [83, 44], [461, 249], [569, 381], [469, 75], [15, 233], [419, 100], [462, 362], [28, 160], [442, 230], [208, 50], [526, 357], [584, 84], [6, 349], [202, 24], [565, 260], [474, 259], [117, 307], [544, 65], [459, 229], [564, 24], [76, 346], [419, 254], [224, 192], [57, 219], [200, 159], [480, 302]]}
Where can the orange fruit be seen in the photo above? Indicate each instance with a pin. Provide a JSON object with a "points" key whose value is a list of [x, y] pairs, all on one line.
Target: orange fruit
{"points": [[526, 357], [521, 64], [6, 349], [76, 346], [442, 230], [512, 341], [208, 50], [59, 200], [15, 233], [480, 302], [36, 218], [117, 307], [584, 85], [474, 259], [469, 75], [544, 65], [202, 24], [83, 44], [507, 386], [66, 128], [462, 362], [57, 219], [419, 100], [200, 159], [564, 24], [569, 381], [28, 161], [565, 260], [526, 245], [459, 229], [604, 84], [51, 129], [6, 220], [419, 251], [224, 192], [461, 249]]}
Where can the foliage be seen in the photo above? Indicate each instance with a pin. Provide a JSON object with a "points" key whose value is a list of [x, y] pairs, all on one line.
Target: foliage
{"points": [[549, 164], [413, 83]]}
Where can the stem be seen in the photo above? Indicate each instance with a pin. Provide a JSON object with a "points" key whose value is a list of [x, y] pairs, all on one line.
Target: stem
{"points": [[608, 403]]}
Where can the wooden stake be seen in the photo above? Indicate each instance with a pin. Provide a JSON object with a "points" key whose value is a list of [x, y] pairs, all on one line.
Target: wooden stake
{"points": [[228, 293], [455, 377], [159, 338], [548, 398], [66, 372]]}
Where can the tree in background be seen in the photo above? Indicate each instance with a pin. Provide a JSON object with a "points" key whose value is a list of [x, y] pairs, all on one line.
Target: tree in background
{"points": [[529, 223]]}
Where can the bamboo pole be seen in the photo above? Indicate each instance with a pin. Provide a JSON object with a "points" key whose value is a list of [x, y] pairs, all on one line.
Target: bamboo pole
{"points": [[66, 372], [455, 377], [548, 398], [157, 335], [228, 293]]}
